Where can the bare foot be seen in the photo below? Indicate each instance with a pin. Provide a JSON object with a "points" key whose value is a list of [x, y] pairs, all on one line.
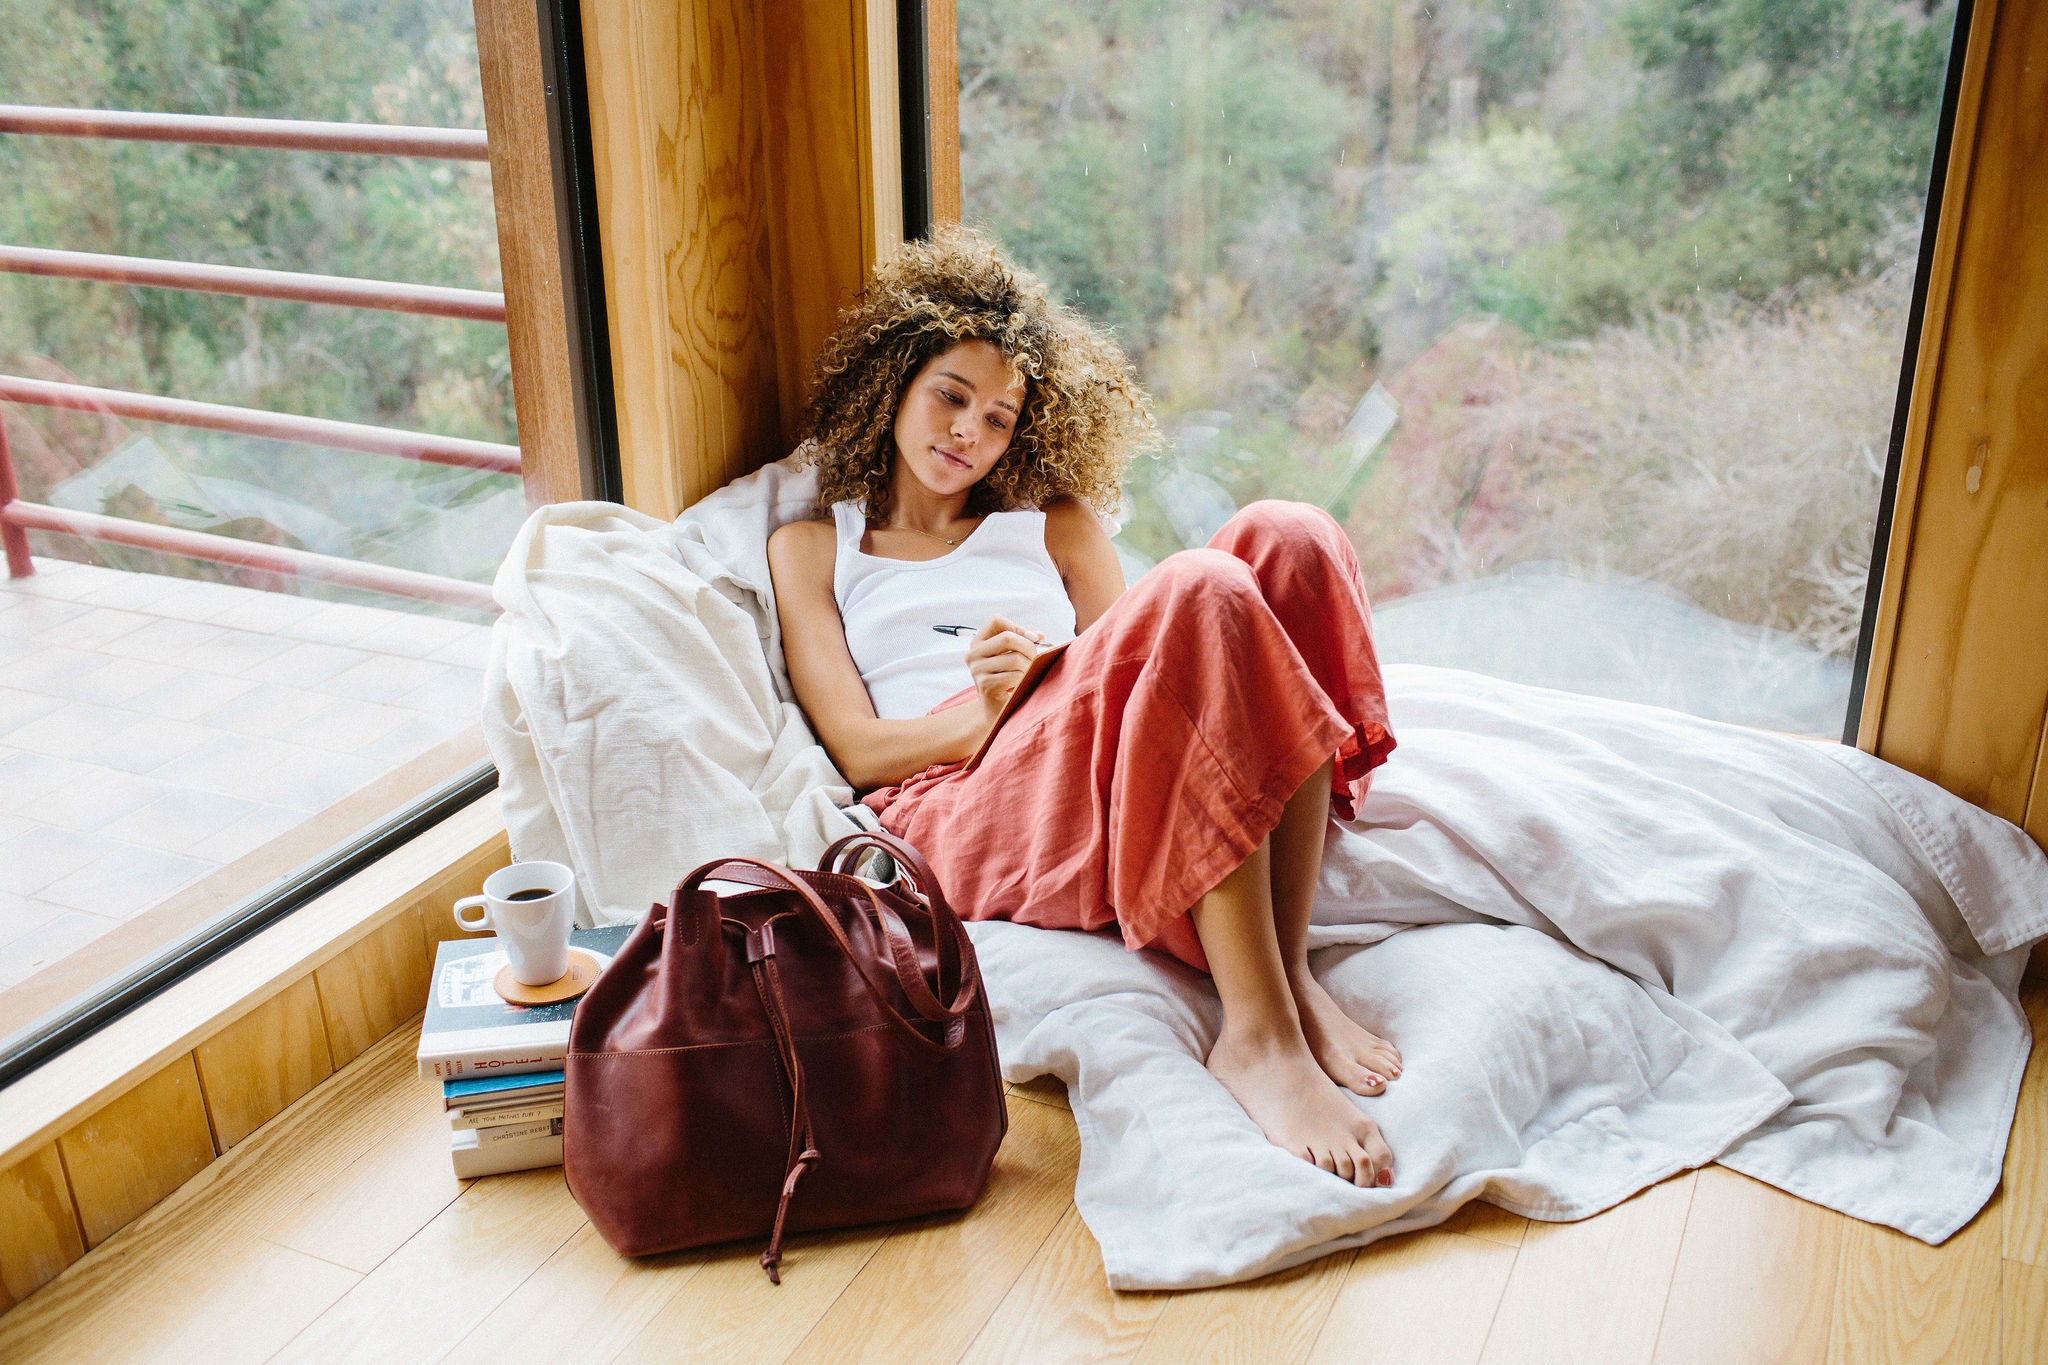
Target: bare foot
{"points": [[1286, 1093], [1352, 1056]]}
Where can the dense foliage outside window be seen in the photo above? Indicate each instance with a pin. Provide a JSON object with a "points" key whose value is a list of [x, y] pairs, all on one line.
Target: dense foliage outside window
{"points": [[1585, 316], [177, 733]]}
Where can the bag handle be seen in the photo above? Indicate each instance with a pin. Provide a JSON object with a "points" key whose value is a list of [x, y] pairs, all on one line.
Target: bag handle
{"points": [[901, 943], [841, 858], [948, 933], [755, 872], [955, 949]]}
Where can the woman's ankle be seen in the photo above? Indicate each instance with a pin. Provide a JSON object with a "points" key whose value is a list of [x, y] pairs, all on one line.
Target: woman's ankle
{"points": [[1276, 1038]]}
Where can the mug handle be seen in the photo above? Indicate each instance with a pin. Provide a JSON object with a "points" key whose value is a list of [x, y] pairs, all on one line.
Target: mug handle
{"points": [[483, 922]]}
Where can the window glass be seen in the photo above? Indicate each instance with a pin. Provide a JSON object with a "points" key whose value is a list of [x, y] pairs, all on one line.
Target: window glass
{"points": [[177, 731], [1585, 318]]}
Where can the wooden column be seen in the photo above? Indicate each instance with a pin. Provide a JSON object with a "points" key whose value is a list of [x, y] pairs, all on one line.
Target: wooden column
{"points": [[818, 197], [529, 253], [746, 157], [1958, 688], [942, 97]]}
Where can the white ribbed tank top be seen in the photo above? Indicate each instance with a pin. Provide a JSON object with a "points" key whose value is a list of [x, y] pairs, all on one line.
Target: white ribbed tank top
{"points": [[889, 606]]}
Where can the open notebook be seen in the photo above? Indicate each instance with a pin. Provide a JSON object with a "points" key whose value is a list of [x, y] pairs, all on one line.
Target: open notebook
{"points": [[1040, 666]]}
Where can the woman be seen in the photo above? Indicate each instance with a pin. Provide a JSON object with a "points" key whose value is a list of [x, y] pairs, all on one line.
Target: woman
{"points": [[1173, 771]]}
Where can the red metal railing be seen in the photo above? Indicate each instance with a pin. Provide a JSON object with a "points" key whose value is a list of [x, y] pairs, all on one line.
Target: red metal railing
{"points": [[275, 134], [20, 517], [17, 517], [13, 539], [470, 305], [276, 426]]}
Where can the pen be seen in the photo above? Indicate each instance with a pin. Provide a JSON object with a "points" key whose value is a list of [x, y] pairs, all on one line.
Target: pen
{"points": [[955, 631]]}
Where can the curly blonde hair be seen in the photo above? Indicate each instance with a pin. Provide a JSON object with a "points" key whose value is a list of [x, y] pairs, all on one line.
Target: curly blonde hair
{"points": [[1085, 416]]}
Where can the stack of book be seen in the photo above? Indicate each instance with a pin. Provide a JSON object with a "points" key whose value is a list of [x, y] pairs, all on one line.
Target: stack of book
{"points": [[499, 1064], [505, 1123]]}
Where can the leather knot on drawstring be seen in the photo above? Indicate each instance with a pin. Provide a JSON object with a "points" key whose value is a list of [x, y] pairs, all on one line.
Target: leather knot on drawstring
{"points": [[771, 1259], [803, 1149]]}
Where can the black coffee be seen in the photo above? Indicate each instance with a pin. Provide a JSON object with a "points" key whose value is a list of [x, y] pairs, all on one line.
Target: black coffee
{"points": [[533, 894]]}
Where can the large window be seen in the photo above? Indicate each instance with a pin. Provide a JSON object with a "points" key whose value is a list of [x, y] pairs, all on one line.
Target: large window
{"points": [[1584, 316], [252, 511]]}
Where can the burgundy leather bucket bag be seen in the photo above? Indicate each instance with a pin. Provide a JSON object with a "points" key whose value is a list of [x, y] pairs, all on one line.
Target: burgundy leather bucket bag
{"points": [[808, 1052]]}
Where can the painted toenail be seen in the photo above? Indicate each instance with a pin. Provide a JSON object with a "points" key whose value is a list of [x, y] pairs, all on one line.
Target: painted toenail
{"points": [[1386, 1178]]}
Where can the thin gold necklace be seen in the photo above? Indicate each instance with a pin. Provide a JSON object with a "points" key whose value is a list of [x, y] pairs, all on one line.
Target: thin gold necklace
{"points": [[932, 534]]}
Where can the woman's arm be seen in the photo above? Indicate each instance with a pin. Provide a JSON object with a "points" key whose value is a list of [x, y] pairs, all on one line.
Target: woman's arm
{"points": [[870, 751], [1087, 562]]}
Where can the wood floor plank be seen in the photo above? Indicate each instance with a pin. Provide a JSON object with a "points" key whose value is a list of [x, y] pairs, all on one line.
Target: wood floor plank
{"points": [[1427, 1298], [263, 1296], [510, 1270], [245, 1299], [1899, 1300], [1045, 1089], [2024, 1315], [1756, 1276], [133, 1287], [434, 1290], [1481, 1219], [927, 1292], [2026, 1155], [1062, 1308], [586, 1302], [1272, 1321], [728, 1311], [1594, 1290], [368, 1209]]}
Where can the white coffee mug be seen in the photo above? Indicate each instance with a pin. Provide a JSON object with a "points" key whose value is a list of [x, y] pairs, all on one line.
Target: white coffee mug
{"points": [[532, 907]]}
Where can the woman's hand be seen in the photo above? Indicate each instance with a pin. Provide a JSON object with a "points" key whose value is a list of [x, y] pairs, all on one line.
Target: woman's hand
{"points": [[997, 660]]}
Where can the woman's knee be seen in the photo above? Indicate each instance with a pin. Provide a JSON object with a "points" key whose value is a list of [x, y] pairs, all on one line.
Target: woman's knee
{"points": [[1206, 579], [1280, 539], [1279, 520]]}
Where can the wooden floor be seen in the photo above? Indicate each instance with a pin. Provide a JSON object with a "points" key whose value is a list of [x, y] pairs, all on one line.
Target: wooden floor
{"points": [[336, 1233]]}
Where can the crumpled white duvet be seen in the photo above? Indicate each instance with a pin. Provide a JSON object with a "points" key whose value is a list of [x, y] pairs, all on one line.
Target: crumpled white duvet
{"points": [[1612, 942]]}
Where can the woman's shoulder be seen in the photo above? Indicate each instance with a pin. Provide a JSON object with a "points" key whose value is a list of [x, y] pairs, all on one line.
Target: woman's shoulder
{"points": [[802, 544], [1070, 521]]}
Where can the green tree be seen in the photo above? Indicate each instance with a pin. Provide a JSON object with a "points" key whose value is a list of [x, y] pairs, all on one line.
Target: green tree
{"points": [[1124, 150], [1770, 144]]}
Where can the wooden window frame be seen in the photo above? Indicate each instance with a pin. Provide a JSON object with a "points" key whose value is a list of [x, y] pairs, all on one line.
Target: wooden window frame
{"points": [[1957, 682]]}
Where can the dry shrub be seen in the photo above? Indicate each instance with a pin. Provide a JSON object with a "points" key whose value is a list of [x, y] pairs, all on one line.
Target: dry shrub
{"points": [[1734, 457]]}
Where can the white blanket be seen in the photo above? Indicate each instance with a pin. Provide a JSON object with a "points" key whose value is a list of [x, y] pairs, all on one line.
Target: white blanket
{"points": [[1645, 942], [1613, 942], [638, 727]]}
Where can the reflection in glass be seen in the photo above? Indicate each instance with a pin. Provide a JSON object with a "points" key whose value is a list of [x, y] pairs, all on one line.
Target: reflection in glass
{"points": [[1584, 317]]}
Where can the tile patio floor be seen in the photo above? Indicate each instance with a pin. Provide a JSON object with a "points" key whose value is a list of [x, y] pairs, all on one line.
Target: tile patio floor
{"points": [[153, 729]]}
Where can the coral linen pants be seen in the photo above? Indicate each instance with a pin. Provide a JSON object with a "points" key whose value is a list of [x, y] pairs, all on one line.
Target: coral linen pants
{"points": [[1159, 750]]}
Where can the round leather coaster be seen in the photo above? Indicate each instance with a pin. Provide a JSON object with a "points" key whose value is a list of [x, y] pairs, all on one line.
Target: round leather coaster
{"points": [[582, 973]]}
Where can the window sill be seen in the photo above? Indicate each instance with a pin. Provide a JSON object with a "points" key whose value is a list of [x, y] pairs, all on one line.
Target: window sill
{"points": [[93, 1139]]}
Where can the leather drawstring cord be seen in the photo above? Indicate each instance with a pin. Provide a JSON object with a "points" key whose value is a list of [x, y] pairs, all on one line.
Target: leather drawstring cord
{"points": [[803, 1147]]}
